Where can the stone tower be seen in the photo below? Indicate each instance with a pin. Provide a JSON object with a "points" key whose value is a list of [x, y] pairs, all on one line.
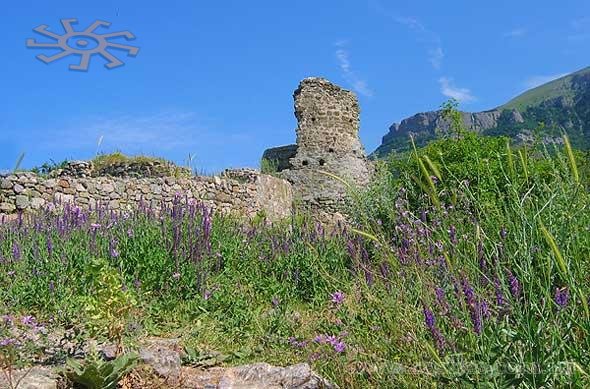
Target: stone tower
{"points": [[327, 141]]}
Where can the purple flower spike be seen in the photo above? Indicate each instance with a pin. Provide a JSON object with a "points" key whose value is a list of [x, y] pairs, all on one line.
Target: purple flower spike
{"points": [[515, 286], [16, 251], [428, 318], [561, 297], [476, 318], [442, 300]]}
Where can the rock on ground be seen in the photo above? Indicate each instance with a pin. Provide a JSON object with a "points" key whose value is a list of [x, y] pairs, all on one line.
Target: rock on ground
{"points": [[36, 378], [263, 375]]}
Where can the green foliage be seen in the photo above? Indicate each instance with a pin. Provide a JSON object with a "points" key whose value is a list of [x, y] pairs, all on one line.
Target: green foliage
{"points": [[268, 166], [197, 358], [94, 373], [104, 162], [49, 167], [107, 305], [517, 230]]}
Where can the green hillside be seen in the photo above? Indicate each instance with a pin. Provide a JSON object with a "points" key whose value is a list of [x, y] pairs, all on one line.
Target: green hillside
{"points": [[561, 87]]}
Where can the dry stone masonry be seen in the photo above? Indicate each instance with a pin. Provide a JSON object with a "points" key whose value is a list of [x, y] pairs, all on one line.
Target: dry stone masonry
{"points": [[327, 141], [244, 192]]}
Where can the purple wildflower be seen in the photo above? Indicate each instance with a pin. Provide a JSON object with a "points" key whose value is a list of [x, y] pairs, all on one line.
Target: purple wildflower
{"points": [[16, 251], [113, 249], [352, 250], [476, 318], [453, 234], [485, 309], [500, 299], [442, 300], [428, 317], [468, 292], [7, 342], [296, 343], [337, 297], [28, 321], [49, 246], [339, 346], [561, 297], [430, 322], [7, 319], [515, 287]]}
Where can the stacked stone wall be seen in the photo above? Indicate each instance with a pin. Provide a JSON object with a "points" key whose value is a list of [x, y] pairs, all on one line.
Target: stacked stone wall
{"points": [[243, 192]]}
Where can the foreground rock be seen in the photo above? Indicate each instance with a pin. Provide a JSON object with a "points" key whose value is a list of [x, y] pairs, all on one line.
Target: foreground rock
{"points": [[36, 378], [254, 376], [263, 375]]}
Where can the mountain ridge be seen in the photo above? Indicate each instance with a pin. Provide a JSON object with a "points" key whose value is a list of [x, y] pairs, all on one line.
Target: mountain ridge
{"points": [[562, 105]]}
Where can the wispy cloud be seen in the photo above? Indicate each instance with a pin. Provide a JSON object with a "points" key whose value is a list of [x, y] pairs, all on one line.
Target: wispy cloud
{"points": [[166, 131], [535, 81], [358, 84], [450, 90], [436, 57], [423, 34], [516, 33]]}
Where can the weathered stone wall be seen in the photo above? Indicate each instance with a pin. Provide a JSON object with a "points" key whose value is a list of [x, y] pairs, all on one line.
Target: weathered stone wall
{"points": [[327, 141], [244, 192]]}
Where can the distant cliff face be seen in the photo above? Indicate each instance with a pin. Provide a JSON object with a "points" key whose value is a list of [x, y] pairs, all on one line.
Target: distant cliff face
{"points": [[561, 105], [427, 126]]}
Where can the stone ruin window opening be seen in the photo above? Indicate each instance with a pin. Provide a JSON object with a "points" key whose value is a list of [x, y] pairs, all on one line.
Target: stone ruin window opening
{"points": [[305, 162], [322, 162], [330, 150]]}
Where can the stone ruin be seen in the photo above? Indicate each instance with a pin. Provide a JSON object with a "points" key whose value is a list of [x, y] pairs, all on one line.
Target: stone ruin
{"points": [[327, 141]]}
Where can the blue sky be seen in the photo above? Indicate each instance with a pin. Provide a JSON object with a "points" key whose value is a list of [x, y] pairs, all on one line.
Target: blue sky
{"points": [[215, 79]]}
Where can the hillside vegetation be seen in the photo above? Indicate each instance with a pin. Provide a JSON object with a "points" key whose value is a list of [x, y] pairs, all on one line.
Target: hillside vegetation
{"points": [[466, 265]]}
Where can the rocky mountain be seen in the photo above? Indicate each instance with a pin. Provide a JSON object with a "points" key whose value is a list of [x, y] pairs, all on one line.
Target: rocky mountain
{"points": [[561, 105]]}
